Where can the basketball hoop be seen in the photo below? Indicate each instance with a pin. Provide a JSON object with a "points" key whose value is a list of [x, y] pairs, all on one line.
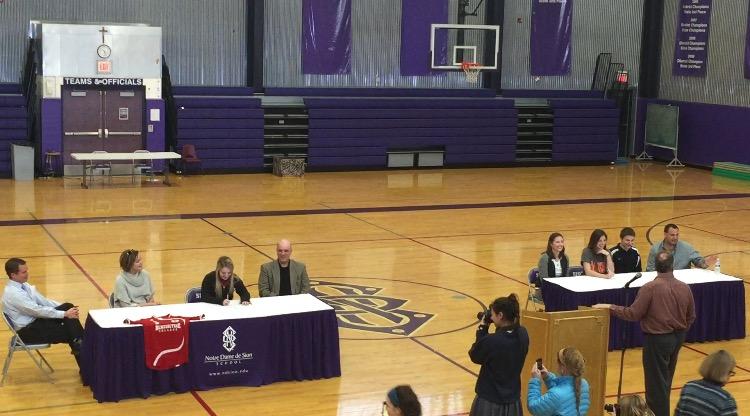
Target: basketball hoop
{"points": [[471, 69]]}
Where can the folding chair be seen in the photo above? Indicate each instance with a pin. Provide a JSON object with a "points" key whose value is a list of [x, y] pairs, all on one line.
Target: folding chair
{"points": [[101, 166], [16, 344], [535, 292], [143, 167], [575, 271], [193, 295], [190, 156]]}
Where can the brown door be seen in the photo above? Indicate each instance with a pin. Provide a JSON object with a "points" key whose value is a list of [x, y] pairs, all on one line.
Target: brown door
{"points": [[82, 122], [110, 120], [123, 120]]}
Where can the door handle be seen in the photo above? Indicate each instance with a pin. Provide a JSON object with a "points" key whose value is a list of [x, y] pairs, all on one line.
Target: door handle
{"points": [[125, 133], [106, 133], [80, 133], [100, 133]]}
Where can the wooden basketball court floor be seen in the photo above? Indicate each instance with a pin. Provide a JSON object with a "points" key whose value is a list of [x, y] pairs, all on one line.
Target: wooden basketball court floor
{"points": [[446, 242]]}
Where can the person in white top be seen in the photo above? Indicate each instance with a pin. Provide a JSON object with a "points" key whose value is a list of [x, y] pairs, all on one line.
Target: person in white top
{"points": [[36, 319]]}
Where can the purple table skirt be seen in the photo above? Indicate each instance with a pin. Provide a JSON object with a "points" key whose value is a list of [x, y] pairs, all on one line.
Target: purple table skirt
{"points": [[302, 346], [719, 309]]}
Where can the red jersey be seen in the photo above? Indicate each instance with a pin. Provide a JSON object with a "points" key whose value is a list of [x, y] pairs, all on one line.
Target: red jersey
{"points": [[166, 340]]}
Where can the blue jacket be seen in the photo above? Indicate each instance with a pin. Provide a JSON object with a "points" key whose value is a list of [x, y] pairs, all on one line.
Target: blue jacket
{"points": [[560, 399]]}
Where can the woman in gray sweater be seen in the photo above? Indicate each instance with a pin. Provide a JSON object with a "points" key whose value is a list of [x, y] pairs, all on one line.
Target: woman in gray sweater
{"points": [[133, 285]]}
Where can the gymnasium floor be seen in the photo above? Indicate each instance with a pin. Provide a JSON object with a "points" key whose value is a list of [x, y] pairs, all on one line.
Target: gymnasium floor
{"points": [[445, 241]]}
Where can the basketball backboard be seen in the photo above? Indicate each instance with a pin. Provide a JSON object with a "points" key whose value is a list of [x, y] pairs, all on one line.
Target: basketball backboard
{"points": [[453, 44]]}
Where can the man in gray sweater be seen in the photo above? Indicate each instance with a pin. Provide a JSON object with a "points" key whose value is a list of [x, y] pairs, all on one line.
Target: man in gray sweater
{"points": [[684, 254]]}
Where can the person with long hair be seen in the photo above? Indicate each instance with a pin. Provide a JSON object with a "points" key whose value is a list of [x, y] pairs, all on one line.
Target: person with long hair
{"points": [[501, 356], [707, 397], [595, 258], [219, 285], [133, 285], [554, 262], [633, 405], [401, 401], [567, 393]]}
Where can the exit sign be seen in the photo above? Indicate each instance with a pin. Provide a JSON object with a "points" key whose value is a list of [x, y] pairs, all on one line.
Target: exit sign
{"points": [[104, 67]]}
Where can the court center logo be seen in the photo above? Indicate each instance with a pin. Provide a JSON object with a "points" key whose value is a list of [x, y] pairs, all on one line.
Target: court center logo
{"points": [[362, 308], [229, 338]]}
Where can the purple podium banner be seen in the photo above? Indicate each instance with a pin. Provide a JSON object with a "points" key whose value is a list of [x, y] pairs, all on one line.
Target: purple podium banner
{"points": [[691, 39], [326, 36], [416, 21], [747, 47], [551, 31]]}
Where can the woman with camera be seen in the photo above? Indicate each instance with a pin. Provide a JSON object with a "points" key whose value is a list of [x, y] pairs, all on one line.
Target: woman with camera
{"points": [[567, 394], [707, 396], [501, 356]]}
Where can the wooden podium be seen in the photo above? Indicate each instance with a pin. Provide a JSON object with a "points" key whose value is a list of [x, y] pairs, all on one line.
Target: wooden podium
{"points": [[586, 329]]}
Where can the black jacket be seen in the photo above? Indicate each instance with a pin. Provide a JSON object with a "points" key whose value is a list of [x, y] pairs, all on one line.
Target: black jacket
{"points": [[501, 356], [208, 290]]}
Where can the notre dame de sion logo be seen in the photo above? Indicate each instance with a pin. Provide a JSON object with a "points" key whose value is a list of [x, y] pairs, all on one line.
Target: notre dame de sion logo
{"points": [[360, 307]]}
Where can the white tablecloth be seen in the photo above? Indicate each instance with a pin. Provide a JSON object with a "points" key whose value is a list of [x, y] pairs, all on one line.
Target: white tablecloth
{"points": [[592, 284], [279, 305]]}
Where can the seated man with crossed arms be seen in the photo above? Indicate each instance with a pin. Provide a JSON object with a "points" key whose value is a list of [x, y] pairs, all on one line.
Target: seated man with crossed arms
{"points": [[36, 319]]}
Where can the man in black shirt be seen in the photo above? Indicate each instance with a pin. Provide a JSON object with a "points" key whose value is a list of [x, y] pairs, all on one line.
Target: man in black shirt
{"points": [[624, 255], [283, 276]]}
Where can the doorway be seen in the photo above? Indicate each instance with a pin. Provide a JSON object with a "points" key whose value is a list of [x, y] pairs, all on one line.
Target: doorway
{"points": [[102, 119]]}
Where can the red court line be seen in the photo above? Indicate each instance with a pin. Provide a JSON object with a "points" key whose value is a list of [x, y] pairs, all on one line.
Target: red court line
{"points": [[706, 354], [88, 276], [75, 262], [203, 403]]}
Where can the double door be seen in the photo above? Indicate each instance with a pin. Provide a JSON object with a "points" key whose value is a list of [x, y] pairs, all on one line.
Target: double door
{"points": [[100, 119]]}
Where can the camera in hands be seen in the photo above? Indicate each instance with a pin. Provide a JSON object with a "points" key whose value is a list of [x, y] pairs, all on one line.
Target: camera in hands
{"points": [[612, 408], [485, 317]]}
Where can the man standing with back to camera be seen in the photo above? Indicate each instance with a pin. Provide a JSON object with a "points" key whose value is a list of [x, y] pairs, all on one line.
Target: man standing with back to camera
{"points": [[666, 309]]}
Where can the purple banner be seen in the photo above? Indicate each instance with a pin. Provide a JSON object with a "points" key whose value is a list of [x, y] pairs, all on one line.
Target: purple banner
{"points": [[326, 36], [691, 39], [415, 36], [747, 47], [551, 30]]}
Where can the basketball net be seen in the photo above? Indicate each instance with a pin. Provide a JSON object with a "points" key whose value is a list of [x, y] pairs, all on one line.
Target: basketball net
{"points": [[471, 69]]}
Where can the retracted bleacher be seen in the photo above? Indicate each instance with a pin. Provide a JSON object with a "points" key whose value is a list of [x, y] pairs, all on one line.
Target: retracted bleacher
{"points": [[13, 123], [585, 130], [224, 123], [359, 132]]}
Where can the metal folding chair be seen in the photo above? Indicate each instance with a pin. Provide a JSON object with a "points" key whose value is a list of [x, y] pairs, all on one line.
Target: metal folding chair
{"points": [[143, 167], [535, 292], [193, 295], [16, 344], [101, 166]]}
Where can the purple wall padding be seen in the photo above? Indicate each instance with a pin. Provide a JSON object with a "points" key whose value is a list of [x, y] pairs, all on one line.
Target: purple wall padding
{"points": [[552, 94], [380, 92], [51, 126], [415, 35], [196, 90], [326, 36], [156, 141], [10, 88], [708, 133], [551, 32]]}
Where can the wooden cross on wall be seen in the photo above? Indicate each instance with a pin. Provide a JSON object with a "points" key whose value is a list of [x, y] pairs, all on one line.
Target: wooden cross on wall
{"points": [[103, 31]]}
